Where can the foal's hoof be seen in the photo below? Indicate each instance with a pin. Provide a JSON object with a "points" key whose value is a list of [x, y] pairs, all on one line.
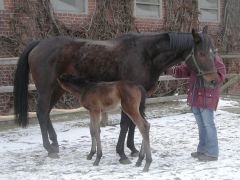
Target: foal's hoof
{"points": [[135, 153], [103, 124], [124, 161], [53, 155], [89, 157], [145, 169]]}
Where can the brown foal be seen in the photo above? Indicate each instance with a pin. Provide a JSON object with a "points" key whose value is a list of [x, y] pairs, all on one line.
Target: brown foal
{"points": [[101, 97]]}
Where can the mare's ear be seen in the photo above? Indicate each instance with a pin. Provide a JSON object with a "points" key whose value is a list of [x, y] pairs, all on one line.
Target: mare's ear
{"points": [[196, 36], [205, 29]]}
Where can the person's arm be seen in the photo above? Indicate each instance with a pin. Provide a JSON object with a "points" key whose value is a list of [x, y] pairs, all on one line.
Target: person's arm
{"points": [[179, 71]]}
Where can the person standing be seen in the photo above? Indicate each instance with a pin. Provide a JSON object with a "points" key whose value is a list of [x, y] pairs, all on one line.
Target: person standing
{"points": [[203, 98]]}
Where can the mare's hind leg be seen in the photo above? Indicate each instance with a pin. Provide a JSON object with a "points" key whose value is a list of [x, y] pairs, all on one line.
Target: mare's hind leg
{"points": [[95, 127], [51, 132], [43, 118]]}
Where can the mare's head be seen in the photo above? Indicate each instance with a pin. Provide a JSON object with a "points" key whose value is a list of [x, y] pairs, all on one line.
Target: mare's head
{"points": [[201, 60]]}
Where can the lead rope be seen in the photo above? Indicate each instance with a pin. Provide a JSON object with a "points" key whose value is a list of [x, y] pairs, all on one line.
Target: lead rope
{"points": [[204, 92], [193, 89]]}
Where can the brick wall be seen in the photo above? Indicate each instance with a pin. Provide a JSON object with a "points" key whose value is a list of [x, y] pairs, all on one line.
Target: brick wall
{"points": [[6, 74], [5, 15], [232, 67]]}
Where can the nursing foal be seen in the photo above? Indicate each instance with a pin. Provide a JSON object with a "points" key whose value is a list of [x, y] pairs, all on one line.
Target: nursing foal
{"points": [[101, 97]]}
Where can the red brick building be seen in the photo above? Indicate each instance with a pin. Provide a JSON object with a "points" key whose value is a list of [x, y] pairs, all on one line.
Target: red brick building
{"points": [[149, 15]]}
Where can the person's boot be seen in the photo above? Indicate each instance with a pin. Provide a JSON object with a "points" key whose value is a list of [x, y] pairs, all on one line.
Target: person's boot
{"points": [[204, 157], [196, 154]]}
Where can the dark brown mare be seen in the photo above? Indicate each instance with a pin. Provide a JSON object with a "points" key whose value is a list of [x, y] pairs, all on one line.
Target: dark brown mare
{"points": [[102, 97], [135, 57]]}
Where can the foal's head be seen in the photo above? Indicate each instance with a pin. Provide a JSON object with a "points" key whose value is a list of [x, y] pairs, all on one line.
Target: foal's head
{"points": [[202, 59], [73, 84]]}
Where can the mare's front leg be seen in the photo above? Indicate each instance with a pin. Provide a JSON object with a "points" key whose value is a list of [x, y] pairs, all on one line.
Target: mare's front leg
{"points": [[124, 125], [130, 140]]}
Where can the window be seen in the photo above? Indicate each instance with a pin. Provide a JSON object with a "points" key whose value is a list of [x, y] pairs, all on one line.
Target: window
{"points": [[148, 8], [209, 10], [75, 6], [1, 5]]}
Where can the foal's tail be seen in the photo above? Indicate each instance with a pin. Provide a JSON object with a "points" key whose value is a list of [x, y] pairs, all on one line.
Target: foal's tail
{"points": [[20, 91], [142, 103]]}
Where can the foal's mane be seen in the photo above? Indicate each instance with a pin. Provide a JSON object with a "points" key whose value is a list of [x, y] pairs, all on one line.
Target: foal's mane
{"points": [[181, 41]]}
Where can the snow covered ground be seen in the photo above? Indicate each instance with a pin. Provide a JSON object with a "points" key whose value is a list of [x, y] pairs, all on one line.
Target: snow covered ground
{"points": [[173, 137]]}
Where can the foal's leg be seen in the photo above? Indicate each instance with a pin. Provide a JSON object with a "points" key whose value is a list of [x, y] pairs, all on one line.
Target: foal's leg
{"points": [[104, 119], [141, 155], [143, 127], [94, 144], [95, 126]]}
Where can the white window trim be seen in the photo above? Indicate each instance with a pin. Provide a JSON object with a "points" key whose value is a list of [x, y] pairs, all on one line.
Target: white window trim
{"points": [[2, 7], [145, 17], [73, 12], [218, 13]]}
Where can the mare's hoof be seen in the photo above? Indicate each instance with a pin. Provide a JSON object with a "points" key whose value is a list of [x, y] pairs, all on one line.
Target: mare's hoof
{"points": [[138, 163], [125, 161], [89, 157], [53, 155], [135, 153]]}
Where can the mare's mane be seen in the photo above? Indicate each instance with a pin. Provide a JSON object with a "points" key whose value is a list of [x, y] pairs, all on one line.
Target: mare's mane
{"points": [[181, 41]]}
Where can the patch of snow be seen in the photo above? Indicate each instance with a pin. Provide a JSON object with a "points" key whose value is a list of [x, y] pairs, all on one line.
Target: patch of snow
{"points": [[173, 137]]}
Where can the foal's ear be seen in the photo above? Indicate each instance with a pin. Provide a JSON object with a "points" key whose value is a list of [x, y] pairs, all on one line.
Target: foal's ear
{"points": [[196, 36], [205, 29]]}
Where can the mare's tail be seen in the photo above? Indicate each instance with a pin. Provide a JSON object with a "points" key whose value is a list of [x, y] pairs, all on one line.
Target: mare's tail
{"points": [[20, 90], [142, 103]]}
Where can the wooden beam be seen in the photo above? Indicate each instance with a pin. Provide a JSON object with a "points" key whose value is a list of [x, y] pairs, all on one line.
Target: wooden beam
{"points": [[9, 89], [8, 61], [232, 80]]}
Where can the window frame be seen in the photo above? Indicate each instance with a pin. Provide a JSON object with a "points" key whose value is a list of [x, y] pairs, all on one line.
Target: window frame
{"points": [[206, 8], [72, 12], [160, 5], [2, 5]]}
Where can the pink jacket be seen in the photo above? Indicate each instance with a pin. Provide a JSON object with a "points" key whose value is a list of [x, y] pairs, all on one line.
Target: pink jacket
{"points": [[199, 94]]}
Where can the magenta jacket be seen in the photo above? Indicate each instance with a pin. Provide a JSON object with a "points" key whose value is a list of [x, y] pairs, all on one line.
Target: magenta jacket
{"points": [[199, 94]]}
